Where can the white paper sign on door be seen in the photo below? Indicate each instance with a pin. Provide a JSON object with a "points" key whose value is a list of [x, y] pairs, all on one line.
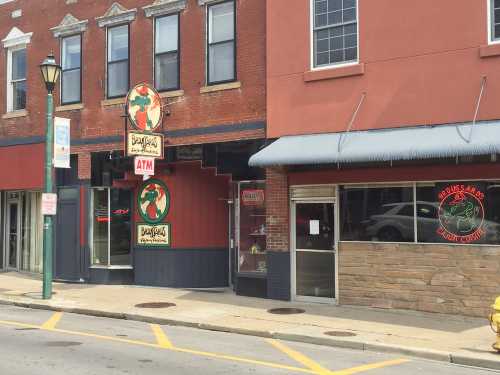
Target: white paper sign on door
{"points": [[49, 204], [314, 227]]}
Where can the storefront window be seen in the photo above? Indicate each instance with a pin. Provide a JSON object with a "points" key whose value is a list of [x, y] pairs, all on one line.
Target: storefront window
{"points": [[111, 227], [377, 214], [252, 227], [459, 212], [32, 231]]}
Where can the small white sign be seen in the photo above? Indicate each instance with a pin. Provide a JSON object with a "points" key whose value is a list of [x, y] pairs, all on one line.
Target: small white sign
{"points": [[49, 204], [62, 139], [144, 166], [314, 227]]}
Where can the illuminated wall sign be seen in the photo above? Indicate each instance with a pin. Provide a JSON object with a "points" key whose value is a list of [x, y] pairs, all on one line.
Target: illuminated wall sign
{"points": [[153, 235], [143, 144], [461, 213], [252, 197]]}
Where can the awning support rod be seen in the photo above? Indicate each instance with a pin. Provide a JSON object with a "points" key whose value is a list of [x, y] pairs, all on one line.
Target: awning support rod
{"points": [[483, 84], [355, 114]]}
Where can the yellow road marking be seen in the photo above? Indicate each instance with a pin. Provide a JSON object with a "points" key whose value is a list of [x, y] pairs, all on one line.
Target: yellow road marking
{"points": [[52, 322], [180, 350], [299, 357], [161, 337], [371, 366]]}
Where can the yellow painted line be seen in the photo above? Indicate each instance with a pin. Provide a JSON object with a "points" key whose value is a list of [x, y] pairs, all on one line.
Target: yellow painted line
{"points": [[372, 366], [161, 337], [24, 325], [299, 357], [52, 322], [180, 350]]}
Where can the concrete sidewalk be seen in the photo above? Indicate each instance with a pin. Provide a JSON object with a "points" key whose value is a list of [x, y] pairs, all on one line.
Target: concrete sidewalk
{"points": [[455, 339]]}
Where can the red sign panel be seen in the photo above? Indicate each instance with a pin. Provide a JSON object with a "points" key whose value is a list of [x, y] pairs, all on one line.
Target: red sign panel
{"points": [[252, 197]]}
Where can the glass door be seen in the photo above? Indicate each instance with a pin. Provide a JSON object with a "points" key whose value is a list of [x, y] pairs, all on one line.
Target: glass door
{"points": [[314, 245], [12, 235]]}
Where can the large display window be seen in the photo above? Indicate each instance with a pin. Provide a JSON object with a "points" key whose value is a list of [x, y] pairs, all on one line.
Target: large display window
{"points": [[251, 227], [454, 212], [111, 227]]}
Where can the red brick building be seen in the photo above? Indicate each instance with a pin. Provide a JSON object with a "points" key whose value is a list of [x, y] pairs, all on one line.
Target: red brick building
{"points": [[207, 60], [383, 182]]}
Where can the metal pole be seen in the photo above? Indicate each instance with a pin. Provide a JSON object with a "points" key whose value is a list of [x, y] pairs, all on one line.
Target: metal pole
{"points": [[48, 219]]}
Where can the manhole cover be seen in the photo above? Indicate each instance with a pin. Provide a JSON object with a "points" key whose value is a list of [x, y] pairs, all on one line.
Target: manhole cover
{"points": [[286, 311], [154, 305], [340, 333]]}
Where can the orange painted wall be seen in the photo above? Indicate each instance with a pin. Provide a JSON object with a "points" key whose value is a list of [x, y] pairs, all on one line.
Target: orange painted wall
{"points": [[422, 66]]}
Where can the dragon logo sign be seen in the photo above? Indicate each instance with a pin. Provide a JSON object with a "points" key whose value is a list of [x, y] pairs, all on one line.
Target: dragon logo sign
{"points": [[461, 213], [153, 201], [144, 107]]}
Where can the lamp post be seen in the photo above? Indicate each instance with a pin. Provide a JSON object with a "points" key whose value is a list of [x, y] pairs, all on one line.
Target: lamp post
{"points": [[50, 74]]}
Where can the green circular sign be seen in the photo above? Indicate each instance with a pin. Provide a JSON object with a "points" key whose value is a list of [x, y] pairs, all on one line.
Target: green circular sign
{"points": [[153, 201]]}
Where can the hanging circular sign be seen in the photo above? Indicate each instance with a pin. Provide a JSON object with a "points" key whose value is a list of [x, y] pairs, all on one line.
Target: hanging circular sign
{"points": [[461, 214], [153, 201], [144, 107]]}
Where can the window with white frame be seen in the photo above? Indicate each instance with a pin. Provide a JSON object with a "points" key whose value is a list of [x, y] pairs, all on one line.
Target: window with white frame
{"points": [[167, 52], [221, 43], [117, 71], [494, 20], [71, 69], [16, 79], [335, 32]]}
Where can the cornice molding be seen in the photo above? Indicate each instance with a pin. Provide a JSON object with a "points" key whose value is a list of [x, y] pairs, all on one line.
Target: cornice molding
{"points": [[16, 37], [162, 7], [116, 14], [69, 25]]}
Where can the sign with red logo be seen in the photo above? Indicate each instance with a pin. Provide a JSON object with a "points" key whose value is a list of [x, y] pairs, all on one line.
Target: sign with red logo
{"points": [[144, 166], [144, 107], [252, 197], [461, 213]]}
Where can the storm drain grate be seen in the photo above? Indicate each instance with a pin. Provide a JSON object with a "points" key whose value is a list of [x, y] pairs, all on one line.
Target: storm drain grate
{"points": [[340, 333], [155, 305], [286, 311]]}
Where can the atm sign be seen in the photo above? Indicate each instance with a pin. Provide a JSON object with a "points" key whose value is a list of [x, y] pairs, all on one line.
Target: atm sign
{"points": [[144, 166]]}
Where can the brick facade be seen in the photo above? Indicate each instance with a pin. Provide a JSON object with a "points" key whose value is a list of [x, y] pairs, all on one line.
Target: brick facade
{"points": [[192, 108], [277, 210], [453, 279]]}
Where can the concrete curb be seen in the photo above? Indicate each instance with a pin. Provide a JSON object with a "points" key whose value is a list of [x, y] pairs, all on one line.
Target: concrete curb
{"points": [[427, 354]]}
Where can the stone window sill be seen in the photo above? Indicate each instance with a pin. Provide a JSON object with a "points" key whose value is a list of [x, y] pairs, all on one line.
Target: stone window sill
{"points": [[15, 114], [172, 94], [333, 73], [221, 87], [70, 107], [113, 102], [489, 50]]}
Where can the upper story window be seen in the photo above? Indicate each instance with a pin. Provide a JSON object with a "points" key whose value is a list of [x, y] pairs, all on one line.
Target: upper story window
{"points": [[117, 71], [494, 20], [335, 29], [221, 43], [71, 52], [16, 80], [167, 53]]}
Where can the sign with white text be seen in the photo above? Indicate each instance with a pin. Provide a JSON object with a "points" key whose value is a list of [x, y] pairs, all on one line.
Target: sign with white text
{"points": [[49, 204], [62, 138], [144, 166], [144, 144]]}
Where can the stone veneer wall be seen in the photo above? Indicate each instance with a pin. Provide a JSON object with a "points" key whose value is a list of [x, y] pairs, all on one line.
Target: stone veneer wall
{"points": [[435, 278]]}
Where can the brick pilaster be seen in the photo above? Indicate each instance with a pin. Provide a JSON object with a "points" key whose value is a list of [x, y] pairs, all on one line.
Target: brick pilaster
{"points": [[277, 211], [84, 165]]}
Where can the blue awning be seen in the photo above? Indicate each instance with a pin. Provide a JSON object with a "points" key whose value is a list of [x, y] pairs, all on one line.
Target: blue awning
{"points": [[383, 145]]}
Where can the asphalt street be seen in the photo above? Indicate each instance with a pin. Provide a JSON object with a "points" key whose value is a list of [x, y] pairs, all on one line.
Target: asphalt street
{"points": [[51, 343]]}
